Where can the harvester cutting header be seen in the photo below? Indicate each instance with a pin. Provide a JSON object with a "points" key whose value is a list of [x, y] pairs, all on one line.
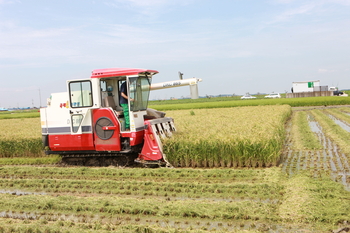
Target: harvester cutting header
{"points": [[87, 125]]}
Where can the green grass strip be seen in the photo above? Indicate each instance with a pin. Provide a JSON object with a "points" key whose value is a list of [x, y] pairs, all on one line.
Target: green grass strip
{"points": [[19, 114], [293, 102]]}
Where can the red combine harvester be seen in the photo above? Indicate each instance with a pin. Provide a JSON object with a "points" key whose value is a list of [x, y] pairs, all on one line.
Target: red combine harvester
{"points": [[86, 124]]}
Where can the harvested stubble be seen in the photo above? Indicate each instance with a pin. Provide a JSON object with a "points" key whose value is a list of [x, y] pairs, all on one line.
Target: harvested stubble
{"points": [[64, 226], [302, 135], [332, 130], [228, 137], [341, 114], [300, 203]]}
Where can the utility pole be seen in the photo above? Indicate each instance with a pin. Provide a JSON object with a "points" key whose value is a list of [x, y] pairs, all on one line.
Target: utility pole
{"points": [[39, 98]]}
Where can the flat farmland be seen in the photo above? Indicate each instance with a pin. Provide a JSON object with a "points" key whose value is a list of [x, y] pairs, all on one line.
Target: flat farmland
{"points": [[57, 199], [302, 187]]}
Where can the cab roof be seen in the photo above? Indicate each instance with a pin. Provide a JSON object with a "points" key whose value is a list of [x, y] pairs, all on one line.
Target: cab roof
{"points": [[115, 72]]}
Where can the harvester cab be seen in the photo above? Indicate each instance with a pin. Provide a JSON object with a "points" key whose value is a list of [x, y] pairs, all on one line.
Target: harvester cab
{"points": [[87, 126]]}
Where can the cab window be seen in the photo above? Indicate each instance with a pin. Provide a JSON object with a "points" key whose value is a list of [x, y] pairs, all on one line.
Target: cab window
{"points": [[139, 91], [76, 121], [80, 93]]}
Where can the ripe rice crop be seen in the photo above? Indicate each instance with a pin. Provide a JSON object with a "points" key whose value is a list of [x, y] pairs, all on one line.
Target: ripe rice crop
{"points": [[20, 128], [20, 137], [228, 137]]}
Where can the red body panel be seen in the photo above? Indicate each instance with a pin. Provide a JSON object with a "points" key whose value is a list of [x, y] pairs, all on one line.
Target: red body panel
{"points": [[91, 141], [113, 143], [135, 137], [69, 142], [150, 149], [112, 72]]}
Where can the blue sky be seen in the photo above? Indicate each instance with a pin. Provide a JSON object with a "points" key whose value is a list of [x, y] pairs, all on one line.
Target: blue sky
{"points": [[235, 46]]}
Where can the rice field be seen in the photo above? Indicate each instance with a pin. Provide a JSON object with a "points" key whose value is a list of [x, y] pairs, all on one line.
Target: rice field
{"points": [[20, 137], [73, 199], [228, 137], [300, 181], [326, 147]]}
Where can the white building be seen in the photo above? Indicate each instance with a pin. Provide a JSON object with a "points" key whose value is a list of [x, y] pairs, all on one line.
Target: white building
{"points": [[308, 86]]}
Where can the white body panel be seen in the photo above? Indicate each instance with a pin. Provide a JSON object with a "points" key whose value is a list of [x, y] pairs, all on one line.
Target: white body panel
{"points": [[81, 118], [299, 87], [137, 121], [56, 115], [61, 118]]}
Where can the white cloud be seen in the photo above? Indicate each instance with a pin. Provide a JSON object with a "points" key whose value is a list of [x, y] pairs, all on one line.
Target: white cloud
{"points": [[342, 2], [323, 71], [25, 45], [282, 1], [147, 3], [127, 34], [291, 13], [149, 8], [155, 3], [6, 24], [298, 8], [9, 1]]}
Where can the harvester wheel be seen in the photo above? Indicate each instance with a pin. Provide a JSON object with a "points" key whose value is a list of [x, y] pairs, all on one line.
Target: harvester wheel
{"points": [[104, 134]]}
